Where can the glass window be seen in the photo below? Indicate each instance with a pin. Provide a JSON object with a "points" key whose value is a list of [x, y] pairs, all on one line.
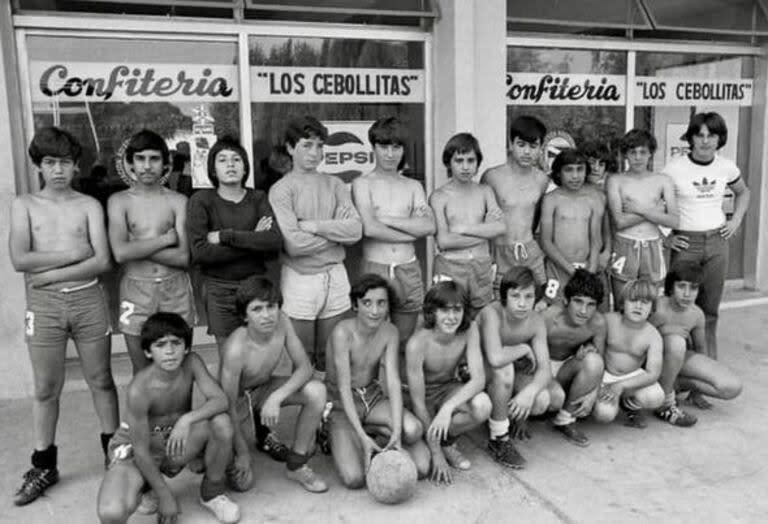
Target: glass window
{"points": [[586, 13], [735, 16], [103, 90]]}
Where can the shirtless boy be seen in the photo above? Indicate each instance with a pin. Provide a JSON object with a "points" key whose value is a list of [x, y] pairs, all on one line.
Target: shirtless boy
{"points": [[514, 341], [57, 240], [571, 221], [358, 347], [467, 217], [251, 354], [444, 405], [679, 320], [576, 338], [601, 166], [631, 343], [317, 219], [148, 237], [162, 432], [395, 214], [519, 185], [640, 201]]}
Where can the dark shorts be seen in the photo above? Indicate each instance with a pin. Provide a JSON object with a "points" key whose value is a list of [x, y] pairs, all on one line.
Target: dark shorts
{"points": [[120, 449], [633, 259], [54, 316], [405, 279], [142, 297], [557, 278], [364, 398], [249, 404], [474, 274], [435, 395], [219, 300], [527, 254]]}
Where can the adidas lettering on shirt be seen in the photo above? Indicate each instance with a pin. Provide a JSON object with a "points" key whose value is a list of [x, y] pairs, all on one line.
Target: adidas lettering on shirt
{"points": [[700, 190]]}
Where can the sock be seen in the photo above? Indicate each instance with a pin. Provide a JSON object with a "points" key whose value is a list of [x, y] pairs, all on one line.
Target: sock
{"points": [[210, 489], [295, 460], [105, 438], [261, 430], [563, 418], [45, 459], [669, 400], [498, 428]]}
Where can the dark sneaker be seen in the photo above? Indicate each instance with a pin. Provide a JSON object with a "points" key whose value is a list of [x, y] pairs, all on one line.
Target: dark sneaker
{"points": [[322, 439], [573, 434], [505, 453], [36, 481], [272, 446], [634, 418], [676, 416]]}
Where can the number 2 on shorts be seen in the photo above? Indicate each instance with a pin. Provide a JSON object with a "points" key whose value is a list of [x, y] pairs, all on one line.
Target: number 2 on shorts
{"points": [[126, 310]]}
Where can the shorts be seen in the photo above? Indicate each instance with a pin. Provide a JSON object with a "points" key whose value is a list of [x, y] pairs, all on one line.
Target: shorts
{"points": [[219, 300], [632, 259], [120, 449], [557, 278], [609, 378], [406, 280], [249, 404], [556, 365], [141, 297], [527, 254], [475, 275], [435, 395], [80, 313], [365, 399], [315, 296]]}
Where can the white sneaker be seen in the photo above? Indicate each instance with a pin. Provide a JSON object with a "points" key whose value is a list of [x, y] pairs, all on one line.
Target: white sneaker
{"points": [[307, 477], [148, 504], [224, 508]]}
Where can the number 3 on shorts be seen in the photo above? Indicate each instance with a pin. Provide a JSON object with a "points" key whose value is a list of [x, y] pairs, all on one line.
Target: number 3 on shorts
{"points": [[618, 266], [552, 288], [126, 310]]}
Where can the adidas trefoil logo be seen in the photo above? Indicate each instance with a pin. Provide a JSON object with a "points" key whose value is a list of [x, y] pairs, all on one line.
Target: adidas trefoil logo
{"points": [[704, 185]]}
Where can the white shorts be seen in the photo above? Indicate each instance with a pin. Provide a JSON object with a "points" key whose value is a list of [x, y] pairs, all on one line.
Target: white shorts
{"points": [[556, 365], [612, 379], [315, 296]]}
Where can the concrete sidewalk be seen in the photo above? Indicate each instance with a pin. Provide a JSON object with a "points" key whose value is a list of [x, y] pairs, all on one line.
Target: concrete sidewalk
{"points": [[713, 472]]}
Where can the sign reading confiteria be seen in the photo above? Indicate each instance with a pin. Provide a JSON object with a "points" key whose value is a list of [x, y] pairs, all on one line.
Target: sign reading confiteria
{"points": [[116, 82], [336, 84]]}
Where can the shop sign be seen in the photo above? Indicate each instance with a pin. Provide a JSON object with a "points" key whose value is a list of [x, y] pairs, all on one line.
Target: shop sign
{"points": [[336, 84], [347, 153], [675, 91], [566, 89], [126, 82]]}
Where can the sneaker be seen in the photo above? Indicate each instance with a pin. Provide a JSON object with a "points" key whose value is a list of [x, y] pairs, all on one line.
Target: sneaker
{"points": [[307, 477], [456, 458], [573, 434], [323, 439], [148, 504], [505, 453], [272, 446], [224, 508], [676, 416], [36, 481], [635, 418]]}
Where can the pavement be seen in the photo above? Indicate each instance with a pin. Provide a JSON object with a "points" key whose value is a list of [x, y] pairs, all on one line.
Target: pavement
{"points": [[713, 472]]}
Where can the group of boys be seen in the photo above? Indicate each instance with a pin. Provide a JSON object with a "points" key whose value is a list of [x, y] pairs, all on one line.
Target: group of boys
{"points": [[483, 352]]}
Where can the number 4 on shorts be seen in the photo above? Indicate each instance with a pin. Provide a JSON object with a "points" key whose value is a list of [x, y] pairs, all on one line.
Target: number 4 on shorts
{"points": [[618, 265]]}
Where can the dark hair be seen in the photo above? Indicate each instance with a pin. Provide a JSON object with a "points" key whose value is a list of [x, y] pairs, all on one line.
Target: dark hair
{"points": [[461, 143], [527, 128], [714, 122], [686, 270], [227, 143], [567, 157], [442, 295], [256, 288], [147, 140], [55, 142], [638, 138], [304, 127], [162, 324], [641, 289], [517, 277], [386, 131], [584, 284], [368, 281], [601, 152]]}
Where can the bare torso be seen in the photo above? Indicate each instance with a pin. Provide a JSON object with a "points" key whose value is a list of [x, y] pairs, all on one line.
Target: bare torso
{"points": [[259, 357], [518, 196], [646, 191], [571, 222], [626, 346], [365, 353], [168, 399], [465, 204], [667, 315], [441, 358], [563, 337]]}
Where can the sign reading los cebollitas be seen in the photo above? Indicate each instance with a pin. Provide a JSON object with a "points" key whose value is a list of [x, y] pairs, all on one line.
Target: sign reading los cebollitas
{"points": [[126, 82]]}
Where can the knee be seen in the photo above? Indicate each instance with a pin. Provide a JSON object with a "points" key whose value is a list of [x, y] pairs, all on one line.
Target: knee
{"points": [[729, 388], [112, 510], [556, 396], [605, 412], [47, 390], [541, 402], [412, 430], [100, 380], [674, 348], [221, 428], [315, 393], [651, 397], [592, 365], [421, 457], [503, 376], [480, 407], [352, 479]]}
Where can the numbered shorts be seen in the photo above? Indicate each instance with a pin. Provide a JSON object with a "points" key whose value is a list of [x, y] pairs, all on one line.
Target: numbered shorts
{"points": [[365, 399], [219, 300], [142, 297], [475, 275], [527, 254], [557, 279], [52, 317], [249, 404], [315, 296], [120, 449], [633, 259], [405, 279]]}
